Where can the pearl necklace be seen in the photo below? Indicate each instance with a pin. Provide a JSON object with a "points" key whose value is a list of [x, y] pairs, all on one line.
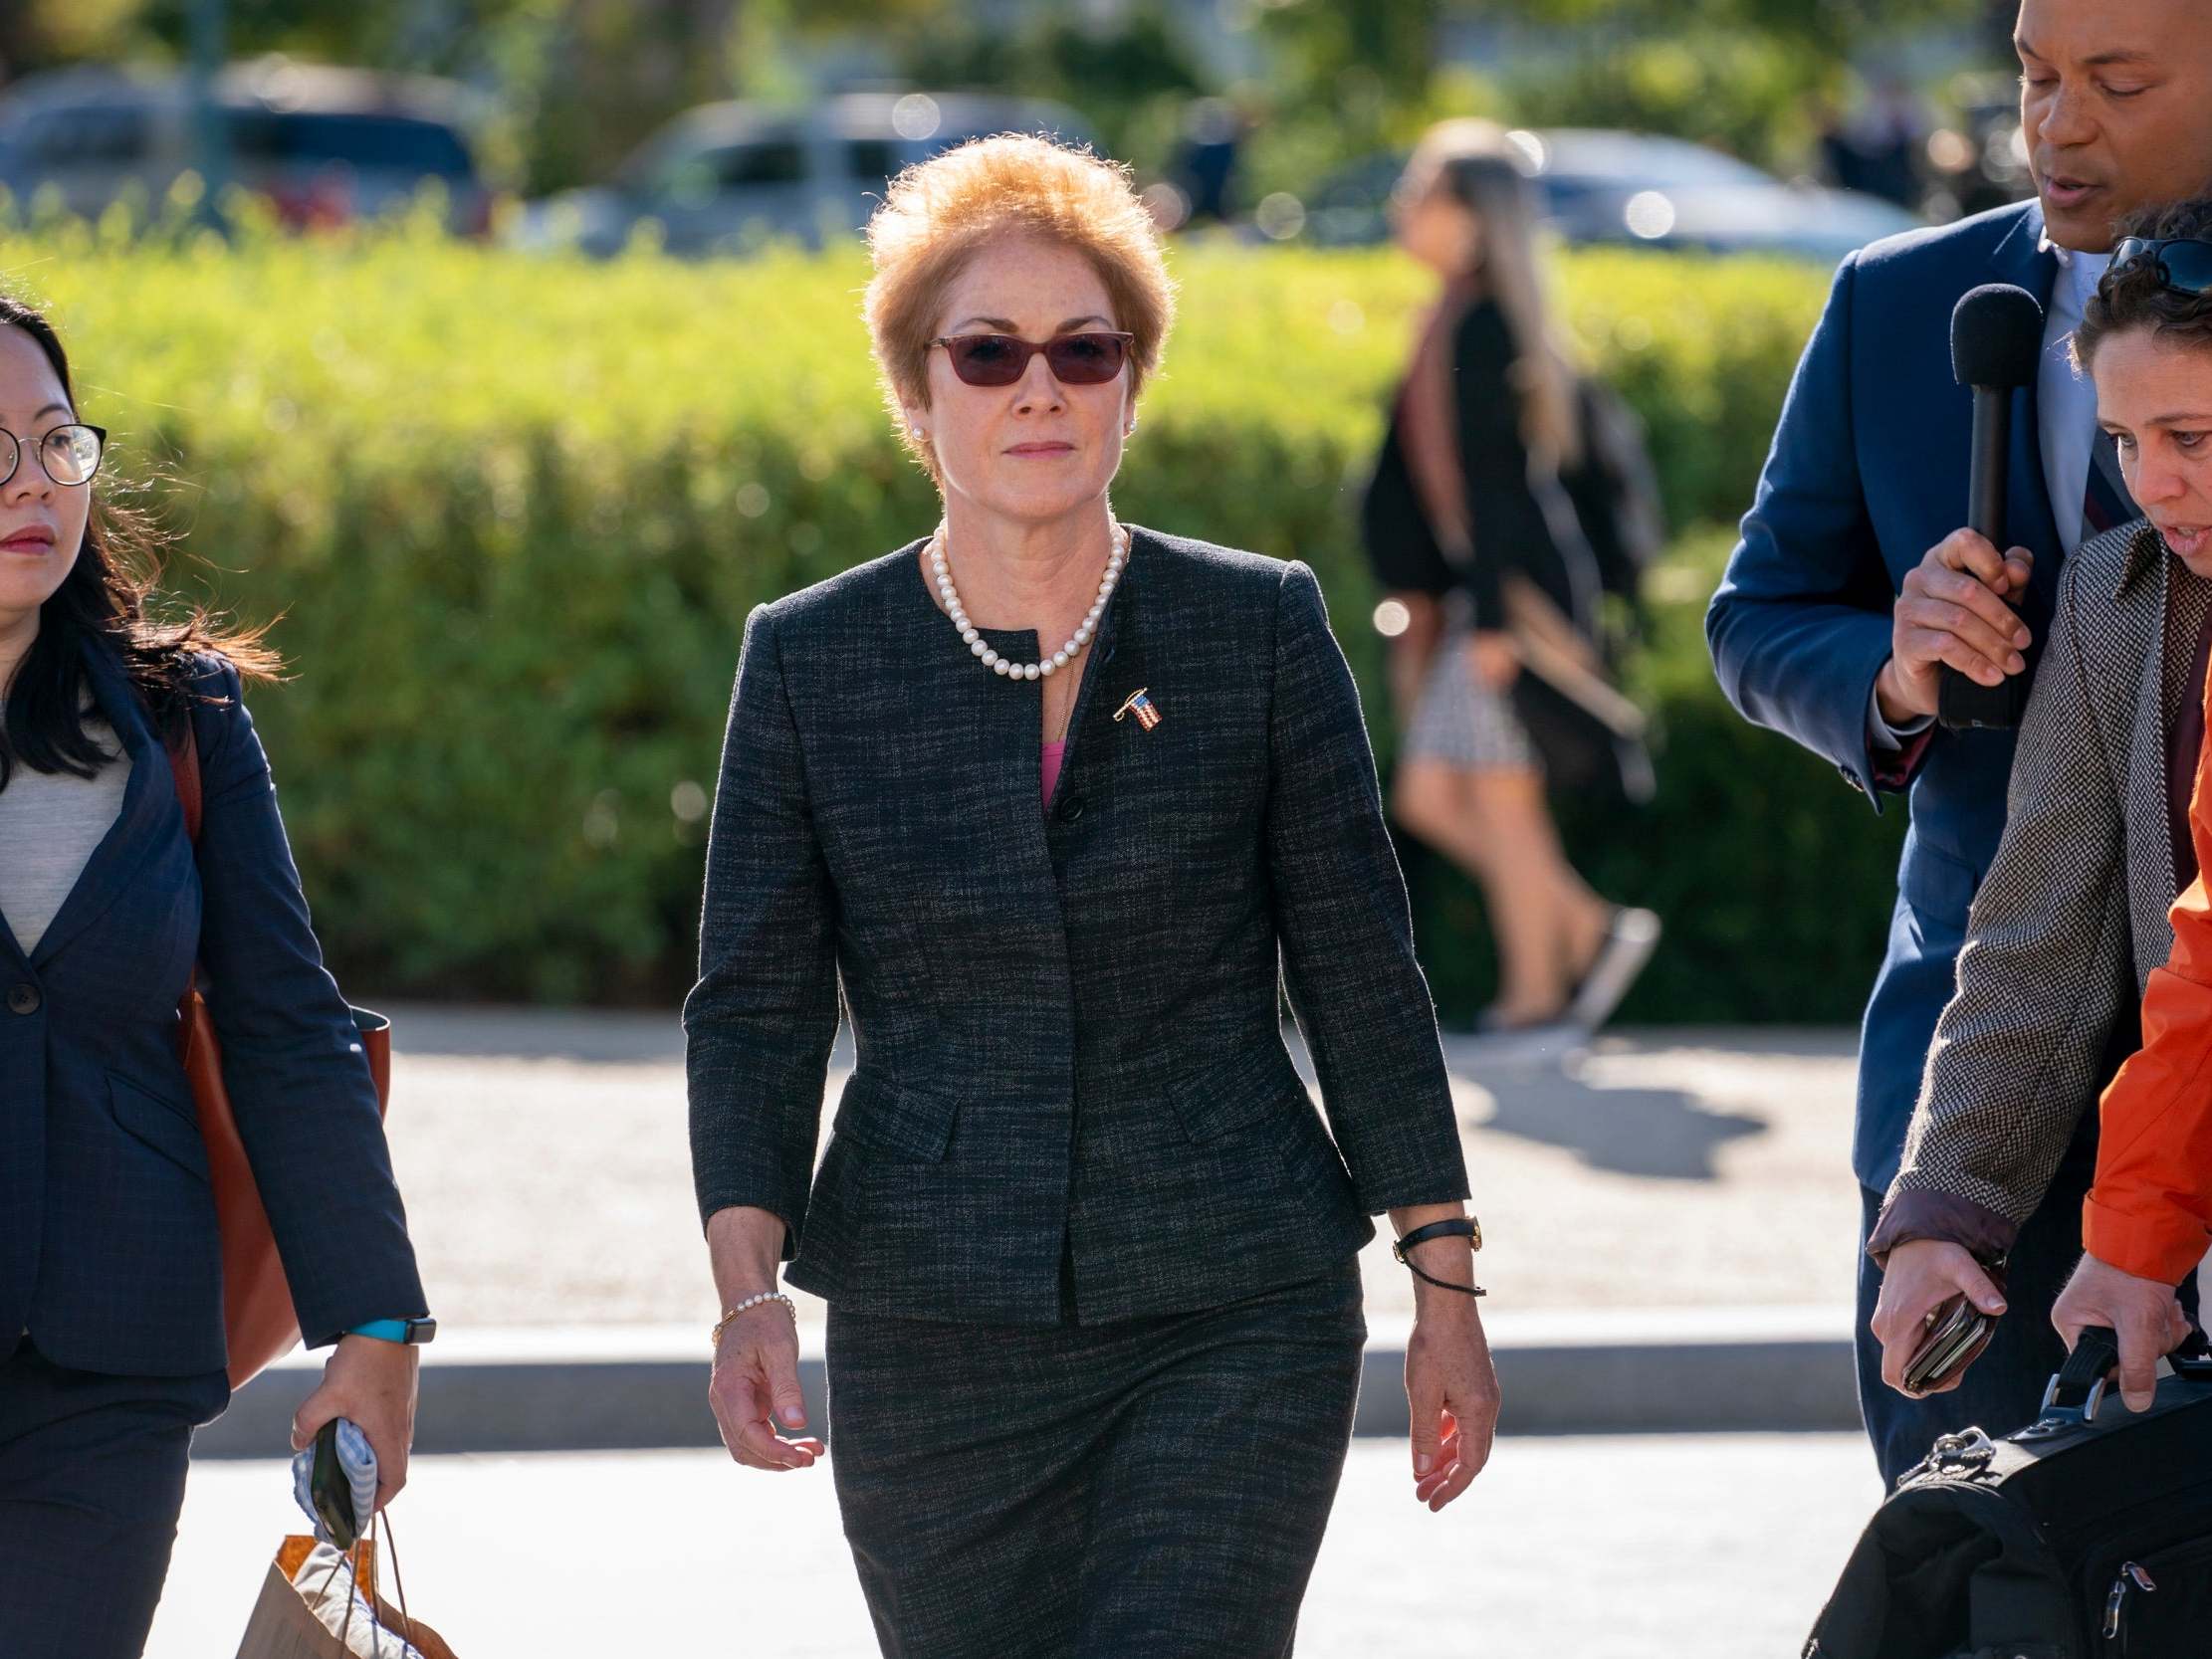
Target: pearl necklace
{"points": [[1005, 667]]}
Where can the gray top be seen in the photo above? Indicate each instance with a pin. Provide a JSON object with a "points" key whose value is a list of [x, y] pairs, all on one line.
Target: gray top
{"points": [[50, 825]]}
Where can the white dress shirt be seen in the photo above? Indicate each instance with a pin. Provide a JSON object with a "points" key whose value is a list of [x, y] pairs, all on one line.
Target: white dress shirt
{"points": [[2067, 401]]}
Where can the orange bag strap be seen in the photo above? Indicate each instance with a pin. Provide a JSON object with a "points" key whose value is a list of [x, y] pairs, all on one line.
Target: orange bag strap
{"points": [[184, 772], [184, 768]]}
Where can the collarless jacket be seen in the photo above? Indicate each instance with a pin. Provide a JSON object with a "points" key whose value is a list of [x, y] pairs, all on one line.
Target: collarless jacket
{"points": [[108, 1255], [2074, 914], [1066, 1023]]}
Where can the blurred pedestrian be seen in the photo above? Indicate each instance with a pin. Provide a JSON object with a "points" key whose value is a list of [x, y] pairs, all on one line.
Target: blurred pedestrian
{"points": [[1852, 586], [1881, 147], [110, 1267], [1207, 158], [1468, 522], [2071, 924], [1090, 1255]]}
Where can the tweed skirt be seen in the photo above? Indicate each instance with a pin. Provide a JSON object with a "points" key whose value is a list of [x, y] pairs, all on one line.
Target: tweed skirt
{"points": [[1154, 1487], [1463, 722]]}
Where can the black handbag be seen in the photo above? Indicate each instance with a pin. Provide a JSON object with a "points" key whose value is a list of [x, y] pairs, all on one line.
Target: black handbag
{"points": [[2085, 1535]]}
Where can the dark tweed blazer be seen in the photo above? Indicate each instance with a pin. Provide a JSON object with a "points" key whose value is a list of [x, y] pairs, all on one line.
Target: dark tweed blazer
{"points": [[2072, 918], [1067, 1023]]}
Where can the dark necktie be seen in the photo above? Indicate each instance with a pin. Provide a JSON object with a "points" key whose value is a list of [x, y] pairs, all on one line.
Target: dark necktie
{"points": [[2106, 503]]}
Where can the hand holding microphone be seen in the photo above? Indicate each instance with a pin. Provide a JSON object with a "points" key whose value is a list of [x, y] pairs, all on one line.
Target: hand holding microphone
{"points": [[1979, 669], [1955, 614]]}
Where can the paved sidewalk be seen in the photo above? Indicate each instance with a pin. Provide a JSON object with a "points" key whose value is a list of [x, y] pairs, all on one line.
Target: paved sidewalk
{"points": [[1670, 1220], [547, 1180], [1619, 1548]]}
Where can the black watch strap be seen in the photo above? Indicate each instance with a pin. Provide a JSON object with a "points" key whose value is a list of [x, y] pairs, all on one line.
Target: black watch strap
{"points": [[1458, 1226]]}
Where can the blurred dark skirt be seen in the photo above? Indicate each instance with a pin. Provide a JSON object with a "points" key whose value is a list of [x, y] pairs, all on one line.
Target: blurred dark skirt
{"points": [[1154, 1487]]}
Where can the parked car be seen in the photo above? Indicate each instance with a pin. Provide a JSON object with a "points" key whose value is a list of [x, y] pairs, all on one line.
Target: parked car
{"points": [[325, 145], [1639, 190], [727, 177]]}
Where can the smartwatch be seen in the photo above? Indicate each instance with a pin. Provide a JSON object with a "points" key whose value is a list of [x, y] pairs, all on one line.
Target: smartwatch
{"points": [[410, 1331]]}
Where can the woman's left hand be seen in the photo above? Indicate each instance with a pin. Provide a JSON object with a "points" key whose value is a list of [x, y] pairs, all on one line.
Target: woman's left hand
{"points": [[371, 1382], [1451, 1385]]}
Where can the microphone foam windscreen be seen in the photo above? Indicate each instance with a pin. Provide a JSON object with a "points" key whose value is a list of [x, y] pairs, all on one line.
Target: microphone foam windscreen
{"points": [[1996, 336]]}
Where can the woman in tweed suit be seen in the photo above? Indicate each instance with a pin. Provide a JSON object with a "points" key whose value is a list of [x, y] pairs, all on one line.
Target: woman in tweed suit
{"points": [[2073, 924], [1089, 1253]]}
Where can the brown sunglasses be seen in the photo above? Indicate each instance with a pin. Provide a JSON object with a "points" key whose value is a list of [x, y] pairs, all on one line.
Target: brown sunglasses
{"points": [[1085, 359]]}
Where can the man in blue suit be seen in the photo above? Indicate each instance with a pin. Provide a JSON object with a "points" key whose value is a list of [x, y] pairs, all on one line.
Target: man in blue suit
{"points": [[1852, 586]]}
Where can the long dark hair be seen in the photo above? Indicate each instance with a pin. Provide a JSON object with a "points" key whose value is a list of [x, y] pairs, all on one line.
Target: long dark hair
{"points": [[103, 601]]}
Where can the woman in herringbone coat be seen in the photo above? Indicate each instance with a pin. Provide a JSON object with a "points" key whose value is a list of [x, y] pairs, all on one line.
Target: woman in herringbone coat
{"points": [[2078, 915], [1094, 1310]]}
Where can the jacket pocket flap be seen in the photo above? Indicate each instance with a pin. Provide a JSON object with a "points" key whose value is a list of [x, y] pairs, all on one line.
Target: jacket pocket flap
{"points": [[1237, 1092], [911, 1123], [168, 1127]]}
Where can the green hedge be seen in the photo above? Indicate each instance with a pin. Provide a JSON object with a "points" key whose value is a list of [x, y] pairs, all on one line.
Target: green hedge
{"points": [[513, 512]]}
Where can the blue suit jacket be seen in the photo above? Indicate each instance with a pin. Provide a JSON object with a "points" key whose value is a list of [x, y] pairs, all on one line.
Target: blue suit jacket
{"points": [[1867, 472], [108, 1245]]}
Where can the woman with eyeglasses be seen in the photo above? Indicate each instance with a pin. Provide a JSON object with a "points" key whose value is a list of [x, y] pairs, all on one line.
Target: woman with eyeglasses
{"points": [[1056, 803], [2109, 820], [1472, 522], [112, 1336]]}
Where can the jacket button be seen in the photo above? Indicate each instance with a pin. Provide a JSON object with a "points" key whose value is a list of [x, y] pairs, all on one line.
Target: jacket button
{"points": [[24, 1000], [1072, 809]]}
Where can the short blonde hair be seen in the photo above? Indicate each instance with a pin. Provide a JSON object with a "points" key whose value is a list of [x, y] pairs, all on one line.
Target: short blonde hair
{"points": [[939, 214]]}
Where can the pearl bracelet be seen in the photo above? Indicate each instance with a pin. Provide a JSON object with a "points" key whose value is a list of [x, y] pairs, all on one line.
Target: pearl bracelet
{"points": [[714, 1341]]}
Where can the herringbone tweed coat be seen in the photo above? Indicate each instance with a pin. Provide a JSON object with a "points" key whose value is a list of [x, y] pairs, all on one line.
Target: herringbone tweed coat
{"points": [[2071, 920], [1066, 1023]]}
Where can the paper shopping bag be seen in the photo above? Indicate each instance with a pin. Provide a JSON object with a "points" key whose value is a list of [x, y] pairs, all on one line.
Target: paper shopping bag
{"points": [[317, 1604]]}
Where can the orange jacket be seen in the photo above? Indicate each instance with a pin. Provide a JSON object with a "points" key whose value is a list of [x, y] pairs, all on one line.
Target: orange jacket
{"points": [[2149, 1212]]}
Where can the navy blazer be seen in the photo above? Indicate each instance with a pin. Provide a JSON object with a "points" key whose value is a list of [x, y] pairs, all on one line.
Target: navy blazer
{"points": [[1068, 1023], [1869, 472], [107, 1246]]}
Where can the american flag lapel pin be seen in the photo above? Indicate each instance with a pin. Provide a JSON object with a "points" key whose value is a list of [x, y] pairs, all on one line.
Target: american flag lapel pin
{"points": [[1142, 707]]}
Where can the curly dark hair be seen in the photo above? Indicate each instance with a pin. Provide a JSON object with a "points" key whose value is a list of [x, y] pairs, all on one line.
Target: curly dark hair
{"points": [[2136, 296], [103, 600]]}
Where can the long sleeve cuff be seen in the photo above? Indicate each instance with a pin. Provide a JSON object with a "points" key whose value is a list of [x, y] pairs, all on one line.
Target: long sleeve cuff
{"points": [[1895, 750], [2165, 1243], [1916, 1214]]}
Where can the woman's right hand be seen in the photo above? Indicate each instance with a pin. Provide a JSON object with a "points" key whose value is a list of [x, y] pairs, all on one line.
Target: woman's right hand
{"points": [[1921, 1275], [755, 1390]]}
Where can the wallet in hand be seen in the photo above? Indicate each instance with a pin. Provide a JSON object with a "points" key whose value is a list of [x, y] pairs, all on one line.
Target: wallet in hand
{"points": [[1958, 1332]]}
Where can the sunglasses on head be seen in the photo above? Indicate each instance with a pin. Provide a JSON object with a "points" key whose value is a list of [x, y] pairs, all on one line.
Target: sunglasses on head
{"points": [[1086, 359], [2185, 266]]}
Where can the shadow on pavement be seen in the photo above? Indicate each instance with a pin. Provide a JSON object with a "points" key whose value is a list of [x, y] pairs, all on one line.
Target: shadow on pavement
{"points": [[1663, 1133]]}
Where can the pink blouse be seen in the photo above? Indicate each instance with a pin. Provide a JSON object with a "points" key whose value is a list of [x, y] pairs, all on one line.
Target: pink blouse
{"points": [[1051, 767]]}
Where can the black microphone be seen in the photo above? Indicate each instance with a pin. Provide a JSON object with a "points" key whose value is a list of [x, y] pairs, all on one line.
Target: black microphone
{"points": [[1996, 347]]}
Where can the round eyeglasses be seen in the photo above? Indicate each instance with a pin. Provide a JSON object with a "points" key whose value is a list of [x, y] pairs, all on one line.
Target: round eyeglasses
{"points": [[69, 454]]}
